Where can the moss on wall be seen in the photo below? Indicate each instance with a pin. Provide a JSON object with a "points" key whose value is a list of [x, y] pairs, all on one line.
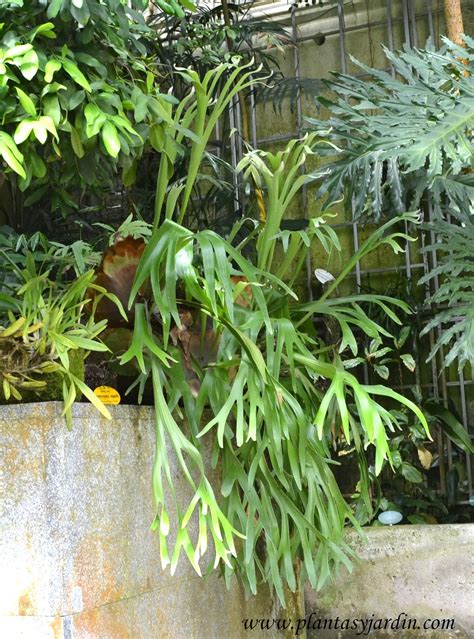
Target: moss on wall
{"points": [[54, 383]]}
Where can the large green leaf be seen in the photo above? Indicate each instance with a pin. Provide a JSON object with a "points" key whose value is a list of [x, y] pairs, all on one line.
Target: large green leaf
{"points": [[389, 138], [450, 425]]}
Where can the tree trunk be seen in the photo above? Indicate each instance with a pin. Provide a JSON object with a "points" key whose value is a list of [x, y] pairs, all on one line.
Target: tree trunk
{"points": [[454, 21]]}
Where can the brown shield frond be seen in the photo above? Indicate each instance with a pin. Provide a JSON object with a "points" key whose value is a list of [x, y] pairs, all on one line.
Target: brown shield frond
{"points": [[116, 273]]}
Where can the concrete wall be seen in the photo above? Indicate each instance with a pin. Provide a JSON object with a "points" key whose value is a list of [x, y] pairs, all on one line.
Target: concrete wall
{"points": [[423, 572], [77, 557]]}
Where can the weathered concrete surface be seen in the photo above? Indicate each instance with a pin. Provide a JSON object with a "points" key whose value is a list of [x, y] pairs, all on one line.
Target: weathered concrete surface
{"points": [[77, 557], [78, 560], [425, 572]]}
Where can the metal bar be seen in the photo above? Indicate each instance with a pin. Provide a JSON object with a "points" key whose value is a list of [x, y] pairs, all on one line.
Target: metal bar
{"points": [[387, 269], [296, 64], [406, 23], [239, 116], [342, 37], [355, 232], [233, 154], [431, 385], [253, 119], [362, 26], [283, 137], [240, 198], [412, 19], [440, 359], [406, 10], [443, 381], [434, 373], [390, 32], [465, 421], [429, 13], [299, 124]]}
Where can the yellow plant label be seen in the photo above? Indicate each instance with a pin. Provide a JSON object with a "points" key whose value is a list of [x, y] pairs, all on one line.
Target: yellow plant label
{"points": [[107, 395]]}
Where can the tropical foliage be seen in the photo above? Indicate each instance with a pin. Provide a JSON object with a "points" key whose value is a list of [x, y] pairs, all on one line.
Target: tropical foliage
{"points": [[72, 120], [454, 295], [202, 41], [397, 138], [412, 483], [234, 358], [403, 142], [190, 124], [238, 367], [234, 355], [46, 331], [234, 340]]}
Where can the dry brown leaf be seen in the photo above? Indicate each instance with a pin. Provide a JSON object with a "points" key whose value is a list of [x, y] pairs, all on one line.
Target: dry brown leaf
{"points": [[425, 457]]}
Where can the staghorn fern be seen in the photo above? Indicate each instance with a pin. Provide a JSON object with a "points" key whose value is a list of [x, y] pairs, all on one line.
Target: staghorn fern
{"points": [[260, 398], [259, 392]]}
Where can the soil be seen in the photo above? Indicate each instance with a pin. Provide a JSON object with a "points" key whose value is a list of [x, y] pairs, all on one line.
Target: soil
{"points": [[98, 373]]}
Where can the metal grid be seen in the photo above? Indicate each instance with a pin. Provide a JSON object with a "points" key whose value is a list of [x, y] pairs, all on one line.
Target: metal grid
{"points": [[398, 12]]}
